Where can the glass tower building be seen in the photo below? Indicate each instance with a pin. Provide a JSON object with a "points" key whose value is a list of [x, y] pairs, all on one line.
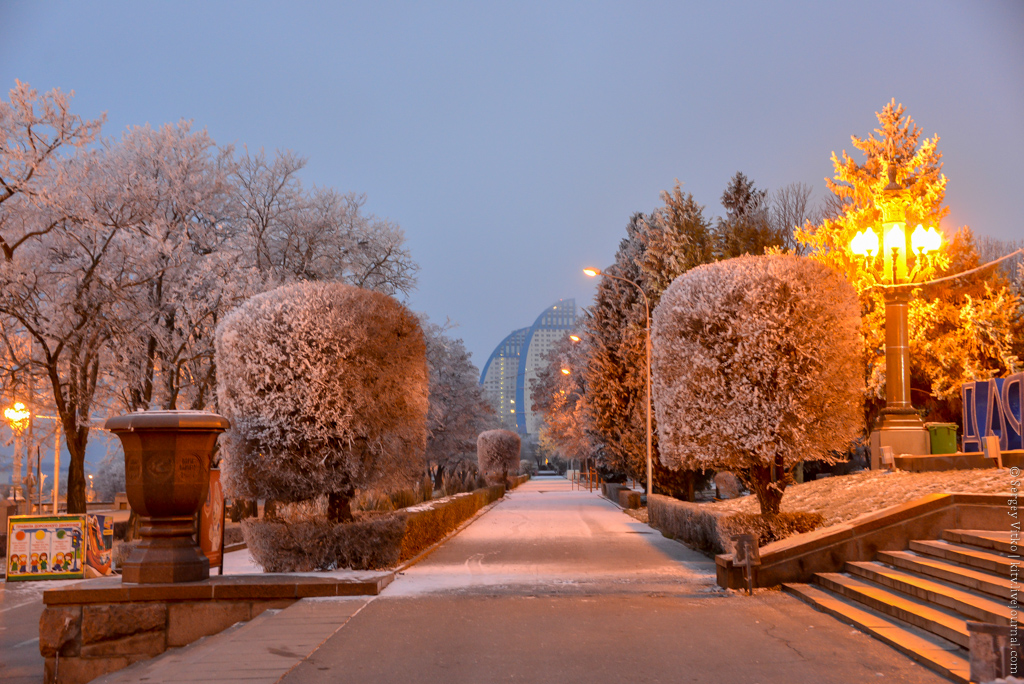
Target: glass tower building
{"points": [[507, 375]]}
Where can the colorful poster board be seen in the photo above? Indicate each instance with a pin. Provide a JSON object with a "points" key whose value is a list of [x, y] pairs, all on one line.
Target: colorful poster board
{"points": [[43, 547], [211, 521], [99, 545]]}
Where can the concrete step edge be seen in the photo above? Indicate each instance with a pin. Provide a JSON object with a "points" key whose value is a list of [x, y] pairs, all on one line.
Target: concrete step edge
{"points": [[935, 653], [969, 604], [931, 618], [983, 539], [975, 579], [964, 555]]}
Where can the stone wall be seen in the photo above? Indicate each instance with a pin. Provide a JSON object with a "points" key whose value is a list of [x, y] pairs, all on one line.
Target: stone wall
{"points": [[799, 558], [102, 625]]}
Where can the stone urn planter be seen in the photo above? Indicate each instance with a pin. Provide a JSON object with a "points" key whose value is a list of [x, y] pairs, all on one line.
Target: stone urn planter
{"points": [[167, 472]]}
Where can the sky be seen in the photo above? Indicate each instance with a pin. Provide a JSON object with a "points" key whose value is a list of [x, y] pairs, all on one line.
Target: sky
{"points": [[513, 141]]}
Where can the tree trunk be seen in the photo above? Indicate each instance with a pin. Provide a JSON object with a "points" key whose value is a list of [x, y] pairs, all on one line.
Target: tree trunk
{"points": [[242, 509], [339, 508], [439, 477], [76, 473], [768, 489]]}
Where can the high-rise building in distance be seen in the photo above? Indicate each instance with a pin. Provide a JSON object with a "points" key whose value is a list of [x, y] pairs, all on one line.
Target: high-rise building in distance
{"points": [[508, 374]]}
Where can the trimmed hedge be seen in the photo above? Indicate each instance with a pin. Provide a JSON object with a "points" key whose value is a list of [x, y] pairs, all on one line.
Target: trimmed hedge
{"points": [[711, 531], [519, 480], [379, 541], [430, 522], [630, 499]]}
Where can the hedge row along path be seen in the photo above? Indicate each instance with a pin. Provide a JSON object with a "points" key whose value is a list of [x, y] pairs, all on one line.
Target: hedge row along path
{"points": [[556, 585]]}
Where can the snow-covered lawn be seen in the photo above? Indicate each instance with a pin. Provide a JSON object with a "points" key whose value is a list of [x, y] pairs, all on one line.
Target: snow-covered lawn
{"points": [[843, 498]]}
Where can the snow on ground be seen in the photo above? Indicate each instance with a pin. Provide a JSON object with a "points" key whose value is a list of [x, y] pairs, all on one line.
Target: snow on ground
{"points": [[844, 498]]}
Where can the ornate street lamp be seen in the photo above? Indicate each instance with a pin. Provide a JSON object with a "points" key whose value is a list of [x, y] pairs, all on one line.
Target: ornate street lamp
{"points": [[594, 272], [898, 426]]}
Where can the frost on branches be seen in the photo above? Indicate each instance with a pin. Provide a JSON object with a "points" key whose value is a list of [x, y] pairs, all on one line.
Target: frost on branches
{"points": [[757, 366], [325, 385], [459, 410], [497, 452]]}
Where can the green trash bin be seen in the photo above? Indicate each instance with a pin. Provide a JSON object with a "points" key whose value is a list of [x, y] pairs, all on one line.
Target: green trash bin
{"points": [[943, 437]]}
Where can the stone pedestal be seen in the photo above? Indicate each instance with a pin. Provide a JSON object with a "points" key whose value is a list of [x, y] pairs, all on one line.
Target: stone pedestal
{"points": [[907, 436], [907, 441]]}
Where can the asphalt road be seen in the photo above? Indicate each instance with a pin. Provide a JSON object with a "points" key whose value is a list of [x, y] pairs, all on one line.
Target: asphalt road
{"points": [[554, 585]]}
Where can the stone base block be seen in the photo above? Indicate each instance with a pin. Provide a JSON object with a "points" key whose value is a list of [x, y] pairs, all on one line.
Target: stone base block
{"points": [[916, 441]]}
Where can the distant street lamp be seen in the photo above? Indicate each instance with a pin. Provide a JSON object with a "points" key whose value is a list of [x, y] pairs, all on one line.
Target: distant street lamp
{"points": [[898, 426], [594, 272], [19, 416]]}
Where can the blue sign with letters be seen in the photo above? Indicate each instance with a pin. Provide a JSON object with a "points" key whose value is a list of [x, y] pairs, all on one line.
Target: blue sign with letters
{"points": [[993, 407]]}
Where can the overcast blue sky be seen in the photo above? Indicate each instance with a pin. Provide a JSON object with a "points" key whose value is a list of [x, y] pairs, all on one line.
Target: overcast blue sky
{"points": [[512, 141]]}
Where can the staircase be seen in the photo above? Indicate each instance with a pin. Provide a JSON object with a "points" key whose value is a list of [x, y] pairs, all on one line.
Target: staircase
{"points": [[920, 600]]}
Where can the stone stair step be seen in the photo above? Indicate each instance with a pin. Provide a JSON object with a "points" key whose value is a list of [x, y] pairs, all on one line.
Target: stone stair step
{"points": [[976, 580], [965, 555], [935, 653], [937, 620], [986, 539], [969, 604]]}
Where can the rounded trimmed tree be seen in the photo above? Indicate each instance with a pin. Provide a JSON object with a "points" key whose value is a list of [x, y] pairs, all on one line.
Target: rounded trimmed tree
{"points": [[325, 385], [757, 366], [497, 453]]}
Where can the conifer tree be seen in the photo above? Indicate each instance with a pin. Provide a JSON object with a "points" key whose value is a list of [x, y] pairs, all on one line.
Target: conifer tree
{"points": [[747, 227], [658, 247]]}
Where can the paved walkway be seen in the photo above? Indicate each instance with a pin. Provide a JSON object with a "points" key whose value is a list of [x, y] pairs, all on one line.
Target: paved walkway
{"points": [[551, 585]]}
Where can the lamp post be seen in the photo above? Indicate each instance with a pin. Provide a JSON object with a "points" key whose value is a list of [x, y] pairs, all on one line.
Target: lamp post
{"points": [[18, 417], [898, 425], [593, 273]]}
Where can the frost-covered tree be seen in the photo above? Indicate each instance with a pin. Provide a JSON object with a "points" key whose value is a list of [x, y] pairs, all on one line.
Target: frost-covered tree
{"points": [[561, 398], [64, 288], [756, 368], [38, 133], [295, 234], [959, 330], [497, 453], [459, 410], [39, 136], [325, 385], [189, 261]]}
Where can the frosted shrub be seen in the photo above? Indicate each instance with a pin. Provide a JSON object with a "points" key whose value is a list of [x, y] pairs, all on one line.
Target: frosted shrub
{"points": [[757, 366], [497, 452], [325, 385]]}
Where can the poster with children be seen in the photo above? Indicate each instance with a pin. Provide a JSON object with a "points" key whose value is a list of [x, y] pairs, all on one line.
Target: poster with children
{"points": [[45, 547]]}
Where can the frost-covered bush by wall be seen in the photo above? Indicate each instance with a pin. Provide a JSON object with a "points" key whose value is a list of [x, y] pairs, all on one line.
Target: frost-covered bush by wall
{"points": [[756, 364], [325, 385], [497, 453]]}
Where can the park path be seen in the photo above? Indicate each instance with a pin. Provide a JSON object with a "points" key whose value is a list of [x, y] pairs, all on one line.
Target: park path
{"points": [[547, 538], [550, 585]]}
